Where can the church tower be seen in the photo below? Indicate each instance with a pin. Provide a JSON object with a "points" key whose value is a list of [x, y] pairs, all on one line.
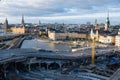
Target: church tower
{"points": [[22, 29], [107, 24], [5, 25], [39, 23], [22, 22], [95, 24]]}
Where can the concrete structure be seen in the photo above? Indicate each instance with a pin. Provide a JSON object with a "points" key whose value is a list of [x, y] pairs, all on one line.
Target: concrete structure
{"points": [[31, 59], [36, 60], [117, 39], [116, 75], [9, 55]]}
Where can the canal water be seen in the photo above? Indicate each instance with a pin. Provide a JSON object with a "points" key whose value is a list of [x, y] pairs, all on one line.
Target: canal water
{"points": [[42, 44]]}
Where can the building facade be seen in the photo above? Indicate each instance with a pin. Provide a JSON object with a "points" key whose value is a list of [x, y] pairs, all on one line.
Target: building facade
{"points": [[65, 35], [107, 39], [117, 39], [18, 30], [102, 37], [94, 35]]}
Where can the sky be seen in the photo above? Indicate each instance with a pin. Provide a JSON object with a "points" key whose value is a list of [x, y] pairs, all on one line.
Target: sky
{"points": [[60, 11]]}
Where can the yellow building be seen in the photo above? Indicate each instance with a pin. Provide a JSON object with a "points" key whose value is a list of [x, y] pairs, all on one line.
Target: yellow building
{"points": [[56, 35], [117, 39], [62, 36], [18, 30], [77, 35], [107, 39]]}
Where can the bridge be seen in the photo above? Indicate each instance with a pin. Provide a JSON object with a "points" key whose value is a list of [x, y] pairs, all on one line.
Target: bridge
{"points": [[116, 75], [15, 43], [9, 37]]}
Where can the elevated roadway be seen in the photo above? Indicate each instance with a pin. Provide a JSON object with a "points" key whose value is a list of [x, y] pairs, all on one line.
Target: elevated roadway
{"points": [[13, 57], [15, 43], [16, 54], [8, 37], [116, 75]]}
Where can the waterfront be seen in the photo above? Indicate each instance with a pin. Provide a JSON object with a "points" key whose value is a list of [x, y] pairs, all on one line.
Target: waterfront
{"points": [[60, 45], [45, 44]]}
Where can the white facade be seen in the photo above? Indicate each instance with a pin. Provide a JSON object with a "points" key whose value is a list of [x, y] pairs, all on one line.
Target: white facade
{"points": [[117, 39], [51, 35], [106, 39], [94, 35]]}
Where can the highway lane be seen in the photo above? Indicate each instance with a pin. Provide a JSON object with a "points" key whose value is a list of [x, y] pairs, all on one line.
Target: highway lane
{"points": [[16, 53]]}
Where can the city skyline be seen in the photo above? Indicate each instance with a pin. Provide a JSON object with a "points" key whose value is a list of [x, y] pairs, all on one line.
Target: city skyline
{"points": [[51, 11]]}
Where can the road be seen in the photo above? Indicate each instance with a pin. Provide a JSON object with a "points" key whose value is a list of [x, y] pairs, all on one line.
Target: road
{"points": [[15, 43]]}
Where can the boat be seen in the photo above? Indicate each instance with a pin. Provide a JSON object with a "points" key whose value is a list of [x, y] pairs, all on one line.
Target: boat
{"points": [[75, 48]]}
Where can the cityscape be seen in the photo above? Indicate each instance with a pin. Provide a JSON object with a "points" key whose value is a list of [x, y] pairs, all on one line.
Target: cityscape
{"points": [[54, 40]]}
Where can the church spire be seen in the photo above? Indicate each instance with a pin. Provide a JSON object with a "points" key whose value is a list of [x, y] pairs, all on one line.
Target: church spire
{"points": [[107, 20], [95, 23], [22, 23], [6, 19], [107, 24], [5, 25], [108, 14], [6, 22], [22, 19], [39, 22]]}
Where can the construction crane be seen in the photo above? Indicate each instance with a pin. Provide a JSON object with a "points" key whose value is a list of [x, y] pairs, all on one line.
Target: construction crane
{"points": [[93, 50]]}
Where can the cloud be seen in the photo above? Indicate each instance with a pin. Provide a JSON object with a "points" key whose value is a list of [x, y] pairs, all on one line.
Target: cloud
{"points": [[59, 9]]}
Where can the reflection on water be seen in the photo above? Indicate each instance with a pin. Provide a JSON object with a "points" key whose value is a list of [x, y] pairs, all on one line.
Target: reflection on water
{"points": [[44, 45]]}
